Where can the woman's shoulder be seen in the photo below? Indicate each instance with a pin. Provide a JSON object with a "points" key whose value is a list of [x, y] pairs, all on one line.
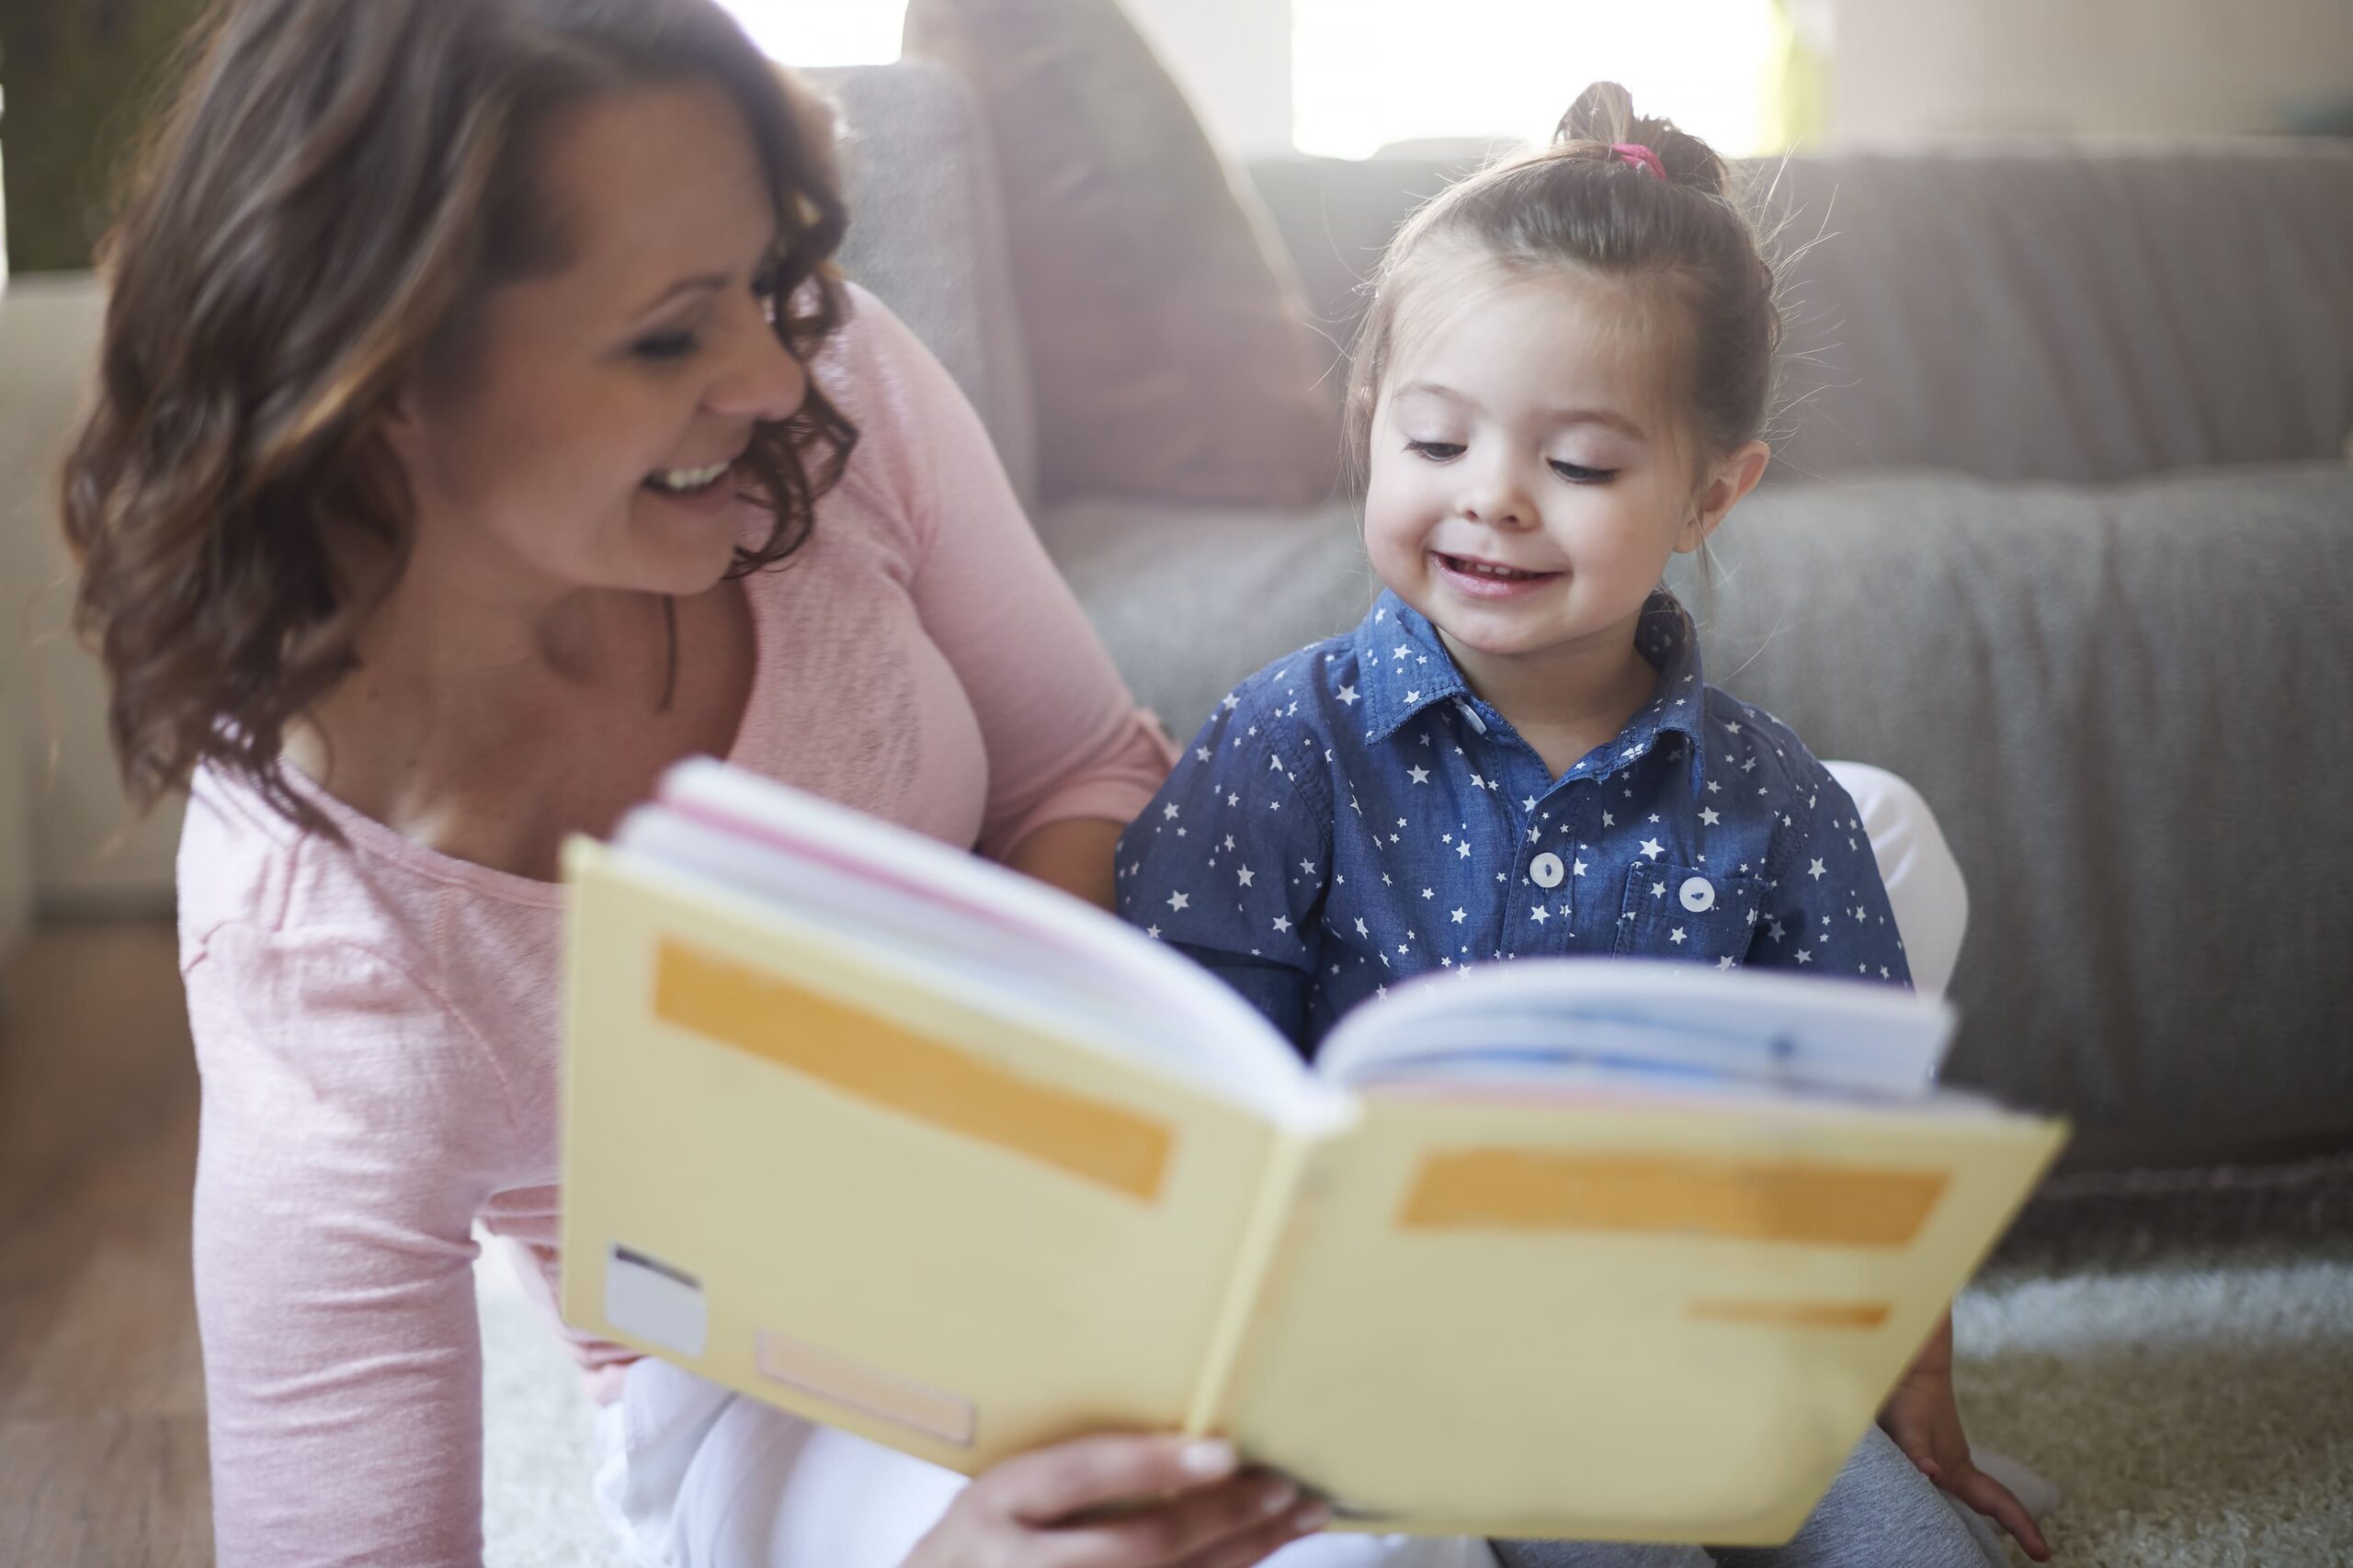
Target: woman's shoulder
{"points": [[283, 928], [880, 377], [870, 364]]}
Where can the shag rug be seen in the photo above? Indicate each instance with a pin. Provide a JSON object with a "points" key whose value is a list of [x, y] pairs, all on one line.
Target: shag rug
{"points": [[2175, 1352]]}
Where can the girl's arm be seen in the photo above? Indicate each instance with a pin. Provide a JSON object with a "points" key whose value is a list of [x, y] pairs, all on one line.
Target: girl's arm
{"points": [[1826, 909], [1231, 860]]}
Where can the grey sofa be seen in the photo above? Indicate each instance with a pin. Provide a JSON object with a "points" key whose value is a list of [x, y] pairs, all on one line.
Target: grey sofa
{"points": [[2060, 527]]}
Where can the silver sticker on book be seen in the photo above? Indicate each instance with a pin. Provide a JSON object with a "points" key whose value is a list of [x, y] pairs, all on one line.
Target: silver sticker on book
{"points": [[655, 1301]]}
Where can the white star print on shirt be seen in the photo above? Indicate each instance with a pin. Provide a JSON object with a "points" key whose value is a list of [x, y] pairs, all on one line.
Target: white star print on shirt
{"points": [[1371, 763]]}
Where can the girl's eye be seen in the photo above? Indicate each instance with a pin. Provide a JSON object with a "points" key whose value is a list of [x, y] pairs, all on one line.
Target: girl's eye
{"points": [[1437, 451], [1577, 474], [667, 345]]}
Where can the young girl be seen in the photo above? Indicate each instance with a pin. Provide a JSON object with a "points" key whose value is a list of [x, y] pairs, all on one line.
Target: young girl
{"points": [[1559, 387]]}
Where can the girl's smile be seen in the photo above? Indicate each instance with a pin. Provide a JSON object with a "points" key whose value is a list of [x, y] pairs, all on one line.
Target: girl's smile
{"points": [[1529, 480], [1479, 578]]}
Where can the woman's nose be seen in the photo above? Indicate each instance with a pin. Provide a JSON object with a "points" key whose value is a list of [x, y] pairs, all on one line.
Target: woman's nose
{"points": [[763, 381]]}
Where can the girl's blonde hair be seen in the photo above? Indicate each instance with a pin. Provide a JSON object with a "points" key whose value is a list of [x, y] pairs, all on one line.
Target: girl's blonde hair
{"points": [[1589, 201]]}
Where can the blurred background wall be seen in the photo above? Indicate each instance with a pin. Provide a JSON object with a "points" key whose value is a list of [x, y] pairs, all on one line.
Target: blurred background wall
{"points": [[1907, 68], [1336, 78]]}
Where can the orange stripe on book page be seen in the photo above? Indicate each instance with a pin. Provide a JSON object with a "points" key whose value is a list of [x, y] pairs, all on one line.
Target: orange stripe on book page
{"points": [[1530, 1189], [880, 1061], [1796, 1314]]}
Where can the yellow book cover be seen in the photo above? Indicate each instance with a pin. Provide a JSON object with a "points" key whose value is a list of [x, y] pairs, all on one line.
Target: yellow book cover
{"points": [[907, 1144]]}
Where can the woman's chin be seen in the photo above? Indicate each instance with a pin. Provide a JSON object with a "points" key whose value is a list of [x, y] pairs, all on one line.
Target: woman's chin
{"points": [[686, 550]]}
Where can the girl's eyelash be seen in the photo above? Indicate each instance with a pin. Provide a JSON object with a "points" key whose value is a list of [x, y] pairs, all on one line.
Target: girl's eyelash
{"points": [[1576, 473]]}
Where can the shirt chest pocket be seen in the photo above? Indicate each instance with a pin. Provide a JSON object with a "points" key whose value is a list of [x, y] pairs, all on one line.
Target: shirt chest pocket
{"points": [[1687, 912]]}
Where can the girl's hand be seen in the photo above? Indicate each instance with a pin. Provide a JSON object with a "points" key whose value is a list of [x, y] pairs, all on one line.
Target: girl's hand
{"points": [[1119, 1502], [1924, 1420]]}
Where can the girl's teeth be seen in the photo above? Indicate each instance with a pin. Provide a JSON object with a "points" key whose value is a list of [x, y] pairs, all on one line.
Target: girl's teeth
{"points": [[1484, 570]]}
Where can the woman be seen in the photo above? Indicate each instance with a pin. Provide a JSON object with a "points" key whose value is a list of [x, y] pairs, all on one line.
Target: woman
{"points": [[480, 431]]}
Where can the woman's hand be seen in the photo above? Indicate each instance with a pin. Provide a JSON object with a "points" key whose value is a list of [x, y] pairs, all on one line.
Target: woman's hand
{"points": [[1924, 1420], [1119, 1502]]}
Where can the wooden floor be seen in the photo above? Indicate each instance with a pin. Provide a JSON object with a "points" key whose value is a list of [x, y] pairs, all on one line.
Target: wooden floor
{"points": [[102, 1449]]}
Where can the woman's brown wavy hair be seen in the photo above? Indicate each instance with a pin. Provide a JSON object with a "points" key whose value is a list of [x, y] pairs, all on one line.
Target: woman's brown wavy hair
{"points": [[335, 193]]}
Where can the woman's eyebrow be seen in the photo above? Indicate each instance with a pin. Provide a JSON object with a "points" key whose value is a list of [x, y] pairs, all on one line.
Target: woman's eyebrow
{"points": [[703, 282], [710, 282]]}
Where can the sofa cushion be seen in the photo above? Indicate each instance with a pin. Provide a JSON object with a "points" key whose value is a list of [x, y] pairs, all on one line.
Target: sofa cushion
{"points": [[1166, 336], [2129, 705], [2064, 310], [2132, 709], [927, 234], [1190, 599]]}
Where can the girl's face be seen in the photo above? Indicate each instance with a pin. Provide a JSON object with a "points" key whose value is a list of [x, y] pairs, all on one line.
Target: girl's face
{"points": [[591, 443], [1530, 473]]}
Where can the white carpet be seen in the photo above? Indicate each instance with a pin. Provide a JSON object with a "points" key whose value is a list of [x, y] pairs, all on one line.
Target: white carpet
{"points": [[2191, 1394]]}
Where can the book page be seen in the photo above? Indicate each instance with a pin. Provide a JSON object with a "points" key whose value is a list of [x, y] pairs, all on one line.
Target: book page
{"points": [[1531, 1018], [792, 1168], [1642, 1317], [978, 926]]}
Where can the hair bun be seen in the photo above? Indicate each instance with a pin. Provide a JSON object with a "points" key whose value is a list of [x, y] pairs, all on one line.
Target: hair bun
{"points": [[1603, 117]]}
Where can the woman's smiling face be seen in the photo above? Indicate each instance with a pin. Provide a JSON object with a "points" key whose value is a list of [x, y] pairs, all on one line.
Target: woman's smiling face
{"points": [[590, 440], [1529, 477]]}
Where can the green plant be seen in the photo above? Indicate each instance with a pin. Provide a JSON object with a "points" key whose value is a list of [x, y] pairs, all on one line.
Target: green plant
{"points": [[81, 77]]}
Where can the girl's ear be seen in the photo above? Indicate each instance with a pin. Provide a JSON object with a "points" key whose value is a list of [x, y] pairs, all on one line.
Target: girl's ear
{"points": [[1732, 478]]}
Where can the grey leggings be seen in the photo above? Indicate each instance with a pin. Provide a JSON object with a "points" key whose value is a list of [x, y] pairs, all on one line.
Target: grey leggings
{"points": [[1878, 1513]]}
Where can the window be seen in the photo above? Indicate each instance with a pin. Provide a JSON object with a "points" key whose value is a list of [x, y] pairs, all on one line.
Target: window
{"points": [[823, 32], [1368, 73], [1365, 73]]}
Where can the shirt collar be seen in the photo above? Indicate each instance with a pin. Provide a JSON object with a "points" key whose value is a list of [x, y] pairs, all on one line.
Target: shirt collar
{"points": [[1406, 668], [1403, 664]]}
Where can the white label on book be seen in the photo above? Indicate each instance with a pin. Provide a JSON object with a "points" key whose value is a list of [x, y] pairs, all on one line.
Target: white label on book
{"points": [[655, 1301]]}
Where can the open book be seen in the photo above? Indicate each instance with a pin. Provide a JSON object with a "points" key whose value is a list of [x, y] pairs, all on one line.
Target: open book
{"points": [[909, 1144]]}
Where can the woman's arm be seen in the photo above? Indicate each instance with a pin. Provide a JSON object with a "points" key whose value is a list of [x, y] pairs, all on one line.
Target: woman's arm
{"points": [[1066, 739], [333, 1204], [1074, 855]]}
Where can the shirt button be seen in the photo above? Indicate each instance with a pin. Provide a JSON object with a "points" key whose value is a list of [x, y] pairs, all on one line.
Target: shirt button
{"points": [[1547, 869], [1699, 894]]}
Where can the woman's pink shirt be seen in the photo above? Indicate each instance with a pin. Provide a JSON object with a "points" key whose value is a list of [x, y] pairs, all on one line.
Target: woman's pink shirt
{"points": [[377, 1024]]}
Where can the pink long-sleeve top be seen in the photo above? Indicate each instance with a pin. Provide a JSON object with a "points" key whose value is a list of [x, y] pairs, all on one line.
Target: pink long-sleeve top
{"points": [[377, 1024]]}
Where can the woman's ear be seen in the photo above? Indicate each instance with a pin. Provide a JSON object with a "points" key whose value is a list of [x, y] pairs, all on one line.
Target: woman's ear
{"points": [[1730, 479], [397, 423]]}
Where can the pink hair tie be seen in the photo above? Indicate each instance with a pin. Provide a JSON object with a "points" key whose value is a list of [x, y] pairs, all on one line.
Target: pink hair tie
{"points": [[1640, 156]]}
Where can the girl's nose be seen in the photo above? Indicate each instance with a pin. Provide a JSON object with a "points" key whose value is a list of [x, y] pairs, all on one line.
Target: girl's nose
{"points": [[1496, 500]]}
